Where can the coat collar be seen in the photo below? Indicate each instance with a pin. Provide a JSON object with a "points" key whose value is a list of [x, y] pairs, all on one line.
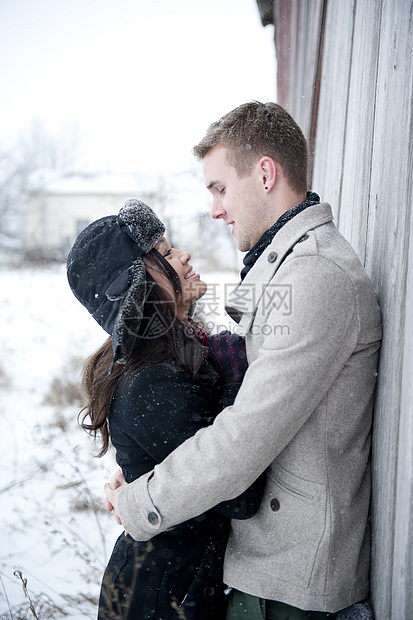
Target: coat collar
{"points": [[243, 300], [253, 255]]}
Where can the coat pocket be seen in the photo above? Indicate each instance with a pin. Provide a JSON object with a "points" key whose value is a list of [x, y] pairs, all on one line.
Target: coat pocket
{"points": [[294, 511]]}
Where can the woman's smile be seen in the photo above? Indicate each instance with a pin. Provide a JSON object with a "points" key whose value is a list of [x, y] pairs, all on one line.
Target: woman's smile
{"points": [[192, 287]]}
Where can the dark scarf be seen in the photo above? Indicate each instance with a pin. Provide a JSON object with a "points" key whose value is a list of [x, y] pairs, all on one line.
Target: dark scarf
{"points": [[253, 255]]}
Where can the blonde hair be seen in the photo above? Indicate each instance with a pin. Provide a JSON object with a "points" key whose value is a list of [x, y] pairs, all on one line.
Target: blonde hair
{"points": [[254, 130]]}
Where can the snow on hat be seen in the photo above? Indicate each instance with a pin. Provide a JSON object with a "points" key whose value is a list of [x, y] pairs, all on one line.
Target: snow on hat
{"points": [[107, 275]]}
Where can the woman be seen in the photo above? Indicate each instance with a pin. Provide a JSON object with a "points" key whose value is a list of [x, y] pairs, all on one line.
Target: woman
{"points": [[150, 386]]}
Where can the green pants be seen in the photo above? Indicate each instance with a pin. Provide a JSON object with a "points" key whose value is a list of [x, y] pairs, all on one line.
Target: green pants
{"points": [[246, 607]]}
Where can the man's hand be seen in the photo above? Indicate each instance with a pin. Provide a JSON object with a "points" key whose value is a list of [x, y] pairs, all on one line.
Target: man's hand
{"points": [[112, 489]]}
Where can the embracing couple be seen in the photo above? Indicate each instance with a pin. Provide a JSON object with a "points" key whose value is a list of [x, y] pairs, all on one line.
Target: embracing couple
{"points": [[245, 457]]}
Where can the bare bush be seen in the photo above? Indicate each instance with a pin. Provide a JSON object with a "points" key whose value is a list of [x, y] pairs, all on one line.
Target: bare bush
{"points": [[4, 378], [44, 607], [65, 390], [40, 606]]}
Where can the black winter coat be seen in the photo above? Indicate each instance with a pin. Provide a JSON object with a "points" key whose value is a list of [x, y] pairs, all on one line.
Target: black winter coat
{"points": [[177, 574]]}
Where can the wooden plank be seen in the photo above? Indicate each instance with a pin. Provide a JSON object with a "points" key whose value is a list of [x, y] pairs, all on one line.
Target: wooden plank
{"points": [[388, 238], [282, 38], [297, 28], [331, 124], [308, 19], [402, 596], [358, 145]]}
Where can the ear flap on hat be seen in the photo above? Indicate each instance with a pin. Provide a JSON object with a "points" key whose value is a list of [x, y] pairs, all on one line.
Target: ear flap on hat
{"points": [[130, 313], [117, 289]]}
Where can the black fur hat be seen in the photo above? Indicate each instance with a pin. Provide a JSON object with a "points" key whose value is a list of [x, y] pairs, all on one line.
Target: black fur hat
{"points": [[107, 275]]}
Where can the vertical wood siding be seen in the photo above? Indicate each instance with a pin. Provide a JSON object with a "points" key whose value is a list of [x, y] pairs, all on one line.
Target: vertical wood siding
{"points": [[387, 259], [298, 34], [363, 166]]}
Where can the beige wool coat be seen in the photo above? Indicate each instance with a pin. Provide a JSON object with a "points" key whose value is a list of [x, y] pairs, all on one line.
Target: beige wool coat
{"points": [[312, 325]]}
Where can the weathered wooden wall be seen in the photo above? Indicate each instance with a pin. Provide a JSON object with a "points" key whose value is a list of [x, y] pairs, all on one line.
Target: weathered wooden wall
{"points": [[298, 34], [363, 165]]}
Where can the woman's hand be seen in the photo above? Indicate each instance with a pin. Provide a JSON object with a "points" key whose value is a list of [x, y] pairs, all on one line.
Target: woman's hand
{"points": [[228, 355], [112, 489]]}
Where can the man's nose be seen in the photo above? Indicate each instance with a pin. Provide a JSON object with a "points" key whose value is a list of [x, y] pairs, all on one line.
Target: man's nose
{"points": [[217, 210]]}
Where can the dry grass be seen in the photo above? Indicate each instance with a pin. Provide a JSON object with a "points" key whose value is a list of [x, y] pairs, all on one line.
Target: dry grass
{"points": [[64, 390], [4, 378]]}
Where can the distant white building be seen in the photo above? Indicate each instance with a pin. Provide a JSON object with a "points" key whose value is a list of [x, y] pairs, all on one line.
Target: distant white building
{"points": [[59, 207]]}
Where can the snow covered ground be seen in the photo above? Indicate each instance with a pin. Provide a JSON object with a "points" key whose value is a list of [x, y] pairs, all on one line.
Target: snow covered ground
{"points": [[53, 528]]}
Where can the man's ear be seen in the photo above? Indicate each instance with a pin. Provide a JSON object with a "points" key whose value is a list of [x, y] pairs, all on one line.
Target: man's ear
{"points": [[267, 168]]}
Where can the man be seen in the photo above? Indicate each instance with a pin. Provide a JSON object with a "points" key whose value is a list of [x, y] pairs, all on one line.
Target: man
{"points": [[312, 327]]}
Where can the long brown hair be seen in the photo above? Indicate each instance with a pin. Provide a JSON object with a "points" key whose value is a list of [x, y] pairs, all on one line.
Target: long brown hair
{"points": [[178, 342]]}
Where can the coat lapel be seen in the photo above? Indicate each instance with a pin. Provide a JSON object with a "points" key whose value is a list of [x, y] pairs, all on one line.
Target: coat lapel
{"points": [[244, 299]]}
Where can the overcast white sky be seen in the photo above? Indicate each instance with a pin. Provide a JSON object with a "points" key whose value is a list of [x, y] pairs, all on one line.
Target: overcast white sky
{"points": [[142, 79]]}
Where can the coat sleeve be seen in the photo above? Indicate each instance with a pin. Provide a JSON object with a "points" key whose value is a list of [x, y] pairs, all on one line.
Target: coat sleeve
{"points": [[281, 388], [160, 408]]}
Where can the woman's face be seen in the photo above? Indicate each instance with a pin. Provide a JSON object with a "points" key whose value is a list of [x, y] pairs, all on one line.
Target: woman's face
{"points": [[192, 286]]}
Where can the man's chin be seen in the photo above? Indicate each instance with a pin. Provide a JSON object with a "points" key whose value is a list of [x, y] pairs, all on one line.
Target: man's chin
{"points": [[243, 245]]}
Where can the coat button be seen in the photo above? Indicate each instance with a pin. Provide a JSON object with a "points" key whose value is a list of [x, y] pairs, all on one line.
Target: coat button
{"points": [[209, 591], [275, 505], [272, 257], [153, 518]]}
